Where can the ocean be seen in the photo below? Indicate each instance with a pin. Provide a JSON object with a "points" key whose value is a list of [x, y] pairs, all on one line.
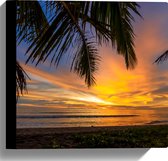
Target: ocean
{"points": [[87, 116]]}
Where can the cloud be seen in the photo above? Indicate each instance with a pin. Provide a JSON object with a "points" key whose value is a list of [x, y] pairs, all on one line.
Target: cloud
{"points": [[145, 85], [161, 90], [137, 86]]}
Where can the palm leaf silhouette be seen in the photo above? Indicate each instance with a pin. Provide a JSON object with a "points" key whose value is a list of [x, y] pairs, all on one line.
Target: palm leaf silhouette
{"points": [[76, 29], [162, 58], [20, 80]]}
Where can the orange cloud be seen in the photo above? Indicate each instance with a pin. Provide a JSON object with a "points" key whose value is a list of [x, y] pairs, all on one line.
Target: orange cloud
{"points": [[115, 84], [115, 80]]}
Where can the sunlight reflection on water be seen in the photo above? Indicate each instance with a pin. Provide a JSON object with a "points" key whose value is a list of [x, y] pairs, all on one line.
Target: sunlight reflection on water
{"points": [[33, 117]]}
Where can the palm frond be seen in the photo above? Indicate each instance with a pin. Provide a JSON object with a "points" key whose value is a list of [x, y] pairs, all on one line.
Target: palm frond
{"points": [[162, 58], [86, 61], [20, 80], [63, 31], [67, 33], [117, 16], [125, 35], [57, 37], [30, 20]]}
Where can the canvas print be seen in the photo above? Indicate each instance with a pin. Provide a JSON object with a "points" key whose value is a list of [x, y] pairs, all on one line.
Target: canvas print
{"points": [[91, 74]]}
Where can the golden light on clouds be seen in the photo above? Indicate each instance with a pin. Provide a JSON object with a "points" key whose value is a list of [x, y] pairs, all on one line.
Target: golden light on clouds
{"points": [[93, 99], [146, 85]]}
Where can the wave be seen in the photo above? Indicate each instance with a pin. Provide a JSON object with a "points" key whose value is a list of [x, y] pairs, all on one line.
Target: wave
{"points": [[157, 122], [70, 116]]}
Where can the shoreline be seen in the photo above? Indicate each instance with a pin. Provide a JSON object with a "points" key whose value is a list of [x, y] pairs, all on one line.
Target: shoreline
{"points": [[60, 130], [136, 136]]}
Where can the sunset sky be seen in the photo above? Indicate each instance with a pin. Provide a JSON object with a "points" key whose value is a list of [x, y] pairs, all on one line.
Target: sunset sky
{"points": [[146, 85]]}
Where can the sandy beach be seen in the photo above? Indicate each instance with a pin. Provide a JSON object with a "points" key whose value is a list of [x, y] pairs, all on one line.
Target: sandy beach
{"points": [[93, 137]]}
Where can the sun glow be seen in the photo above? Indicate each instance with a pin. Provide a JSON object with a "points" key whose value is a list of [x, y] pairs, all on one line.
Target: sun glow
{"points": [[145, 85], [94, 100]]}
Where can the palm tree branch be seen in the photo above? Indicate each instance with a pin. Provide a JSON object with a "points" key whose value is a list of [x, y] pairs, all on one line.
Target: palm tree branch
{"points": [[41, 40], [85, 51], [30, 20], [162, 58], [21, 76], [124, 37]]}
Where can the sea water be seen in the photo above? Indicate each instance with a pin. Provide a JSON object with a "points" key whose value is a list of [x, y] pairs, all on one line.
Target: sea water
{"points": [[45, 117]]}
